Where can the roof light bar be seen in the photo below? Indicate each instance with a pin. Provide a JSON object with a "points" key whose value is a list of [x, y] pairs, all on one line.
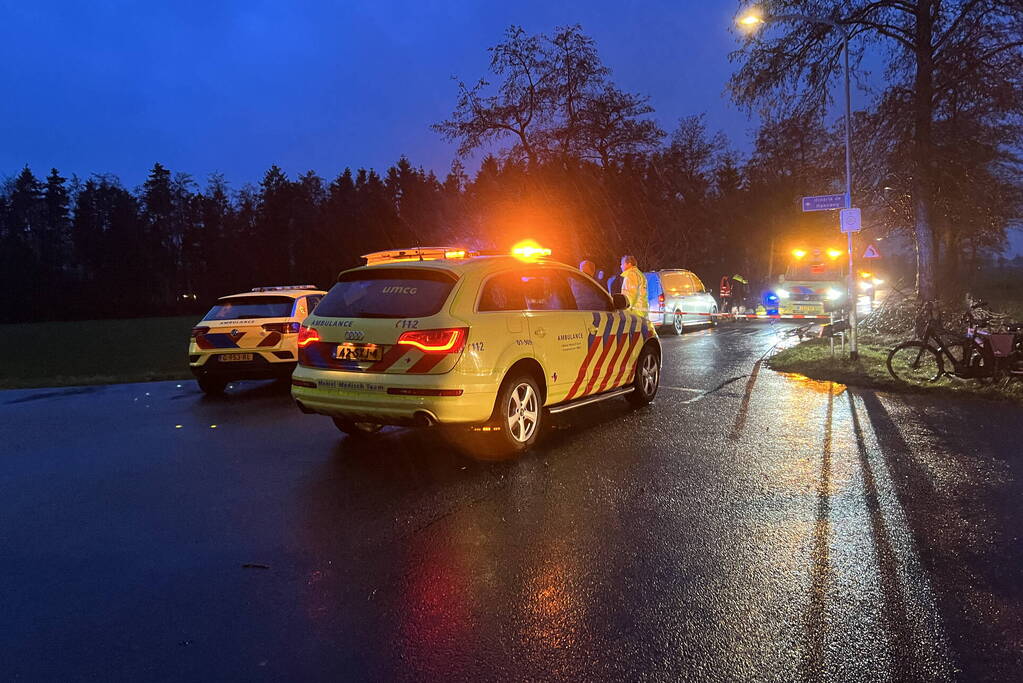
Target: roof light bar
{"points": [[416, 254]]}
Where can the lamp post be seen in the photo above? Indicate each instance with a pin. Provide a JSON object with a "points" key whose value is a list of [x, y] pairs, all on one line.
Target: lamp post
{"points": [[753, 21]]}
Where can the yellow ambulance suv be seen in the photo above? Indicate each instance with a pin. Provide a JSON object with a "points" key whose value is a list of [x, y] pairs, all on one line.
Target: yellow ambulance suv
{"points": [[491, 342], [253, 335]]}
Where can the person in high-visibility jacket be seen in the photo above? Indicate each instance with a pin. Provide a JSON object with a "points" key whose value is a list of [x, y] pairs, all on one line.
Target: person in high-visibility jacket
{"points": [[634, 286]]}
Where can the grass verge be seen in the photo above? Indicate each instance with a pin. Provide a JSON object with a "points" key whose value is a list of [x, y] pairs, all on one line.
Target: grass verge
{"points": [[94, 352], [813, 359]]}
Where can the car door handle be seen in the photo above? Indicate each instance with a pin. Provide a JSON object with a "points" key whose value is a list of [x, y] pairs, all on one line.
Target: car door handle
{"points": [[540, 332]]}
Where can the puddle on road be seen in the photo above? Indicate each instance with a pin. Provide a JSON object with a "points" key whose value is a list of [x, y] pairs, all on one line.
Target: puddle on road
{"points": [[816, 385]]}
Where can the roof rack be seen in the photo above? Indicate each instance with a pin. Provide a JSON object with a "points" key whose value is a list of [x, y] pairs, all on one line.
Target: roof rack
{"points": [[282, 287], [417, 254]]}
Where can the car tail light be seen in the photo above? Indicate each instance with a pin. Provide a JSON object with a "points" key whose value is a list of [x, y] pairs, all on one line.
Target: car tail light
{"points": [[660, 301], [196, 331], [448, 340], [306, 336], [283, 328]]}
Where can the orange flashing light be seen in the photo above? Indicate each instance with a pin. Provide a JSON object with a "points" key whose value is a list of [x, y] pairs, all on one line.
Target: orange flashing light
{"points": [[455, 253], [834, 254], [799, 253], [528, 249], [450, 340]]}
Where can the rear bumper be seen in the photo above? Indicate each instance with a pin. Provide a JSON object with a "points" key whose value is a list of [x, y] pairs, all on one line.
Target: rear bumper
{"points": [[363, 397], [260, 367]]}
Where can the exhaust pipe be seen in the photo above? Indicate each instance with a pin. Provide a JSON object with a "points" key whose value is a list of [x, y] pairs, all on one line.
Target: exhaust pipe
{"points": [[421, 418]]}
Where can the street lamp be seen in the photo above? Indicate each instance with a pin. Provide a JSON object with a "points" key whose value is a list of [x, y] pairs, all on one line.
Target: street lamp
{"points": [[753, 20]]}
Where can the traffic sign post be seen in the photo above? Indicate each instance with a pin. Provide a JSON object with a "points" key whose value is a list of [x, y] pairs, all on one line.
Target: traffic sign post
{"points": [[849, 220], [824, 202]]}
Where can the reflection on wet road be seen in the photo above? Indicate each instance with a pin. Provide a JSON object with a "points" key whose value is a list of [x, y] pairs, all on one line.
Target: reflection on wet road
{"points": [[747, 526]]}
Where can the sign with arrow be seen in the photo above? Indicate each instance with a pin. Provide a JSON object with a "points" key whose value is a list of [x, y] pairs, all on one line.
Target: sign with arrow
{"points": [[871, 252], [824, 202]]}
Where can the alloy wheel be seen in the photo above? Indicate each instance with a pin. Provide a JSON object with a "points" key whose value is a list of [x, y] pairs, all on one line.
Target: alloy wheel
{"points": [[649, 373], [522, 412]]}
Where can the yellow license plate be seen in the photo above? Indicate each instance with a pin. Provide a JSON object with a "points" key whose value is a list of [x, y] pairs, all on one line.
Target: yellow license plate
{"points": [[234, 357], [358, 352]]}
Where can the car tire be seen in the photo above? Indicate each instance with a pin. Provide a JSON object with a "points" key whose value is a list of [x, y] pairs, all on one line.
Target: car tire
{"points": [[212, 386], [359, 430], [713, 319], [518, 416], [647, 378], [677, 323]]}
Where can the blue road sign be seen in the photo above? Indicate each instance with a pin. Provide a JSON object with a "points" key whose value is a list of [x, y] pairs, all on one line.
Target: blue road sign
{"points": [[824, 202]]}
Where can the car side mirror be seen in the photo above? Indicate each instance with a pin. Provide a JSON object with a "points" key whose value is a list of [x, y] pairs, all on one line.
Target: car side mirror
{"points": [[620, 302]]}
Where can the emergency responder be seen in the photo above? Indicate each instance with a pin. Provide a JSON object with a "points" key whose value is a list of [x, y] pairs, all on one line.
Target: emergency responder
{"points": [[726, 294], [634, 285], [588, 267]]}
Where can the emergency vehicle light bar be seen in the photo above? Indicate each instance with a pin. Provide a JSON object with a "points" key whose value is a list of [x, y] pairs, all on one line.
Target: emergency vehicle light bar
{"points": [[282, 287], [417, 254]]}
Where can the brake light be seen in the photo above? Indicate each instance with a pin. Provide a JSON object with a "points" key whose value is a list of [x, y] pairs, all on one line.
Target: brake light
{"points": [[283, 328], [449, 340], [660, 301], [196, 331], [306, 336]]}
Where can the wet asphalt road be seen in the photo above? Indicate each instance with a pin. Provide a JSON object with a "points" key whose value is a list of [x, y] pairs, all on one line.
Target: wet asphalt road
{"points": [[771, 529]]}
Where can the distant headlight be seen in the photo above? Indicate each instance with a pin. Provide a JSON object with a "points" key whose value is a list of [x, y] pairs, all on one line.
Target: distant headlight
{"points": [[834, 294], [782, 294], [866, 286]]}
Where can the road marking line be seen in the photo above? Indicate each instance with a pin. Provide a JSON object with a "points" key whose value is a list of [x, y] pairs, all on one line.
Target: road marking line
{"points": [[695, 391]]}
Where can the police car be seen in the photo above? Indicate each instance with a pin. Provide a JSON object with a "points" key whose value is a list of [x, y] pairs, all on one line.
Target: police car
{"points": [[444, 336], [250, 336]]}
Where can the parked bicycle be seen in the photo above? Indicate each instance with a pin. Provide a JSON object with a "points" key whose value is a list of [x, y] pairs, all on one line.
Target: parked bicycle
{"points": [[990, 348]]}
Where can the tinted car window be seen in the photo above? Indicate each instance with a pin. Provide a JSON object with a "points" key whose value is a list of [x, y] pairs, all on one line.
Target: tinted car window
{"points": [[387, 293], [530, 290], [588, 296], [546, 290], [503, 292], [238, 308]]}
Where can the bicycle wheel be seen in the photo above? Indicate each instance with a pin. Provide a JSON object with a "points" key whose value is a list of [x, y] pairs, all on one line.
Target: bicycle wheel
{"points": [[915, 362]]}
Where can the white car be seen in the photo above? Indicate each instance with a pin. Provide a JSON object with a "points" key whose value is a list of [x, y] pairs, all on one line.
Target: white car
{"points": [[679, 299], [250, 336]]}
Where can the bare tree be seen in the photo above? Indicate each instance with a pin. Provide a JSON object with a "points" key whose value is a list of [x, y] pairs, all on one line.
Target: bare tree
{"points": [[553, 100], [522, 101]]}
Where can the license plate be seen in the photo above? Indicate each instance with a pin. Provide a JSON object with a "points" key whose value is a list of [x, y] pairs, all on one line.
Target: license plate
{"points": [[234, 357], [358, 352]]}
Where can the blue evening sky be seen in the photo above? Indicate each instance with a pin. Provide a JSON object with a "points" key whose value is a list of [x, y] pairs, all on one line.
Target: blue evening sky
{"points": [[112, 86], [236, 85]]}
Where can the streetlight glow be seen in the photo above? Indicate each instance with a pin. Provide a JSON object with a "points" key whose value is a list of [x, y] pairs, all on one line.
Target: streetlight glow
{"points": [[750, 20]]}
